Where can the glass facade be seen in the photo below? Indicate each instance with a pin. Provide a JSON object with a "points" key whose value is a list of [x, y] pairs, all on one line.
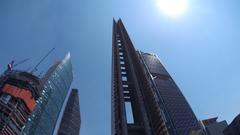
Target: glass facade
{"points": [[70, 123], [178, 112], [55, 86], [234, 127]]}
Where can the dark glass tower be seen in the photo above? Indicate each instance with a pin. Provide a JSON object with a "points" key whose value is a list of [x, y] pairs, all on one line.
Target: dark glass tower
{"points": [[55, 85], [145, 99], [70, 124], [234, 127], [178, 112]]}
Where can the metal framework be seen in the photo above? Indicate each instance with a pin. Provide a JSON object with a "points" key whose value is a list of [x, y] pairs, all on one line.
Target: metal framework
{"points": [[18, 94], [132, 85]]}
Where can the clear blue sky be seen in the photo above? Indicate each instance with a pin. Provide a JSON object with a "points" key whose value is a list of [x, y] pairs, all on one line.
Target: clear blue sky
{"points": [[200, 49]]}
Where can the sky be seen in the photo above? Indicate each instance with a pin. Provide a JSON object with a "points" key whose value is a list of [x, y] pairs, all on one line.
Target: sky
{"points": [[200, 48]]}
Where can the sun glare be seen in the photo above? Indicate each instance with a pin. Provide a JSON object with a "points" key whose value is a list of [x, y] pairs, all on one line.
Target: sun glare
{"points": [[172, 7]]}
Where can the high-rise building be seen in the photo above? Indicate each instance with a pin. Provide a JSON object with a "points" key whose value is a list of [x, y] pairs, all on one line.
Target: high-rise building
{"points": [[70, 124], [213, 127], [234, 127], [55, 85], [145, 99], [19, 92]]}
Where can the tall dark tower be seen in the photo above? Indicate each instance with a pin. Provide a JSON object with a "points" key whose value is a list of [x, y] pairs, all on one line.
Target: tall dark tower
{"points": [[145, 99], [131, 87], [71, 120]]}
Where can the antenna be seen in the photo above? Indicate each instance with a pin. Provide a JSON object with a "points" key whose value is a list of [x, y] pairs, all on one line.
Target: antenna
{"points": [[35, 68]]}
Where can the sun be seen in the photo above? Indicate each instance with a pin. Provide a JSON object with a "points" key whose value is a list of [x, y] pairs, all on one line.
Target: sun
{"points": [[172, 7]]}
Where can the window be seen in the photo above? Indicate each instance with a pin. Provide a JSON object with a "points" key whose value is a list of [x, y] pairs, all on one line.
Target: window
{"points": [[129, 112], [126, 92], [123, 73], [5, 98], [124, 78], [123, 68]]}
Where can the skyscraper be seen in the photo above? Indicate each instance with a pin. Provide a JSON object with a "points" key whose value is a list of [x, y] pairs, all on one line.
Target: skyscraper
{"points": [[234, 127], [145, 99], [19, 92], [213, 127], [70, 124], [55, 85]]}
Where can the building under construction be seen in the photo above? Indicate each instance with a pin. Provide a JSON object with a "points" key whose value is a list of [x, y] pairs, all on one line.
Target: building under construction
{"points": [[32, 105], [18, 95]]}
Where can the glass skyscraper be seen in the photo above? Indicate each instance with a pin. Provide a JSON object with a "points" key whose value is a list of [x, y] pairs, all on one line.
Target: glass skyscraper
{"points": [[234, 127], [45, 119], [178, 112], [70, 124]]}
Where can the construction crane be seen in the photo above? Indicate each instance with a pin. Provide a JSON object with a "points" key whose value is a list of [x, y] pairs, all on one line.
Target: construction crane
{"points": [[11, 65], [35, 68]]}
